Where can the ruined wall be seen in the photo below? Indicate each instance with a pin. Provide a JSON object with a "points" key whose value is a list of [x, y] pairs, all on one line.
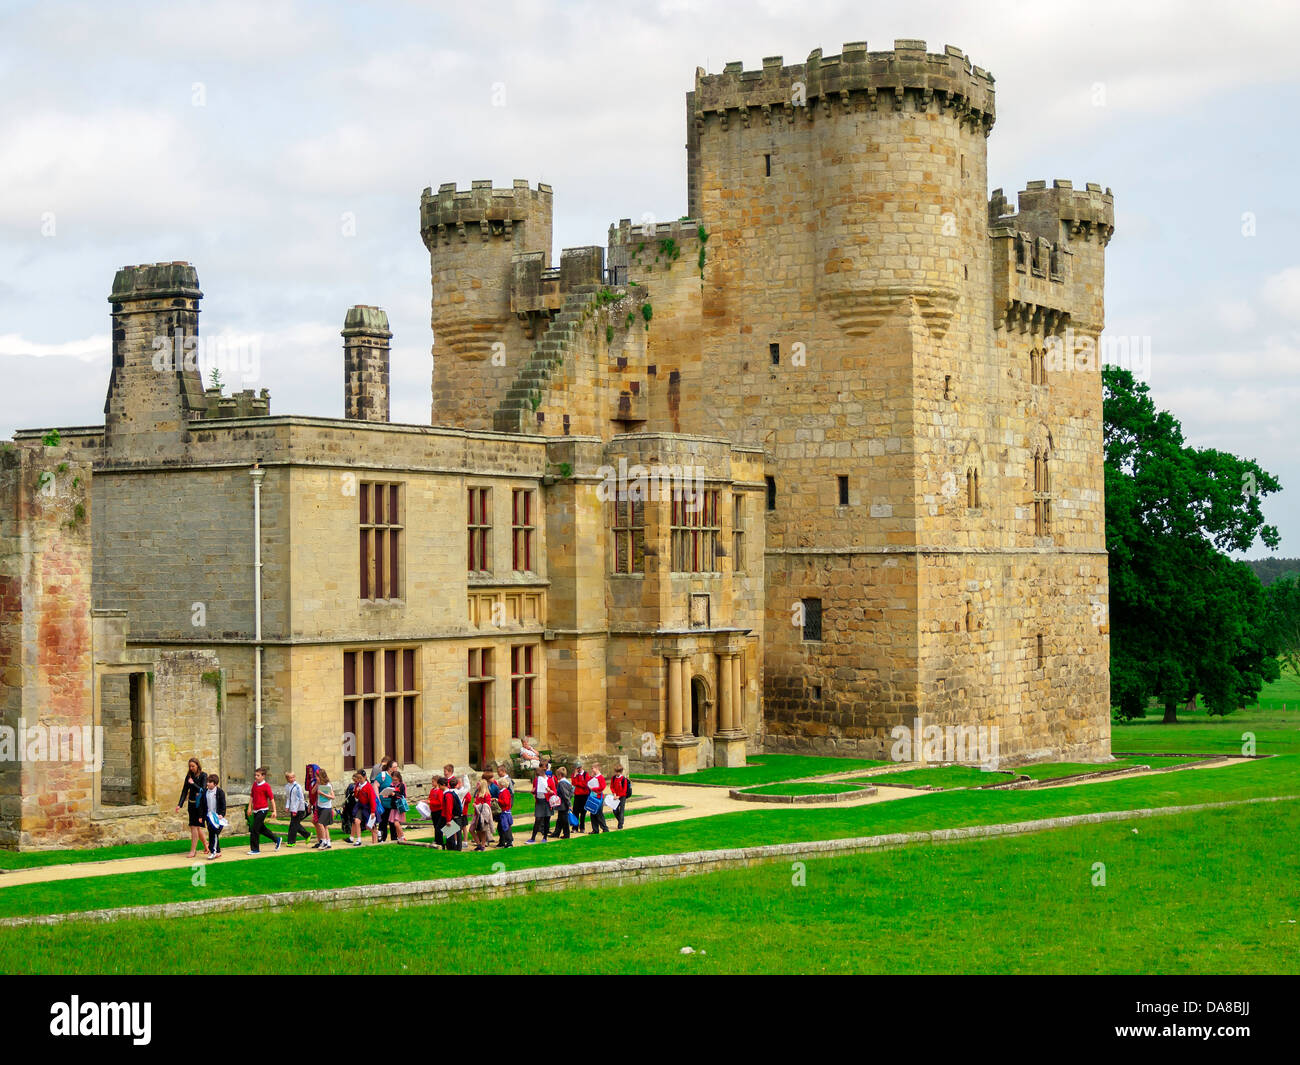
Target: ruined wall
{"points": [[46, 651]]}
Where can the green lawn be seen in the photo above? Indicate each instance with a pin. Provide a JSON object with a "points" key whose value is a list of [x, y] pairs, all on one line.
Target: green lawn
{"points": [[1054, 770], [940, 776], [755, 825], [804, 788], [769, 769], [1206, 893]]}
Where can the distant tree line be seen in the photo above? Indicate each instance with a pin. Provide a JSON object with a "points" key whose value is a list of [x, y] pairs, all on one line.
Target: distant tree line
{"points": [[1271, 570]]}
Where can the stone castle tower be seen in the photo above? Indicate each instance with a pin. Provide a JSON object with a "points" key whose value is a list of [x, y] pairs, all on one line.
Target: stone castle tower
{"points": [[844, 295]]}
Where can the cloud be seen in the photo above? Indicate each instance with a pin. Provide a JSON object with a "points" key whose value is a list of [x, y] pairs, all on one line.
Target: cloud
{"points": [[1281, 292], [94, 348]]}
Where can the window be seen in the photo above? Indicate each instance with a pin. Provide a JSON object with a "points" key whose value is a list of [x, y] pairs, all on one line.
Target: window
{"points": [[381, 540], [523, 675], [812, 619], [1037, 367], [972, 487], [1042, 493], [767, 164], [522, 529], [695, 531], [771, 492], [844, 491], [774, 350], [737, 532], [629, 535], [479, 523], [480, 677], [1041, 654], [379, 693]]}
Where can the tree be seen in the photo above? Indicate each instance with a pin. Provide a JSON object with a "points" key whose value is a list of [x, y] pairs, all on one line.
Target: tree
{"points": [[1186, 620], [1284, 599]]}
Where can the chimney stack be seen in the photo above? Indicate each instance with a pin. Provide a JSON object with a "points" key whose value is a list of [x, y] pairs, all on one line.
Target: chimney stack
{"points": [[365, 364]]}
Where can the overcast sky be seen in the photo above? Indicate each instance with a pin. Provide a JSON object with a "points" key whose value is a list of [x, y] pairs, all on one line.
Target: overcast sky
{"points": [[250, 136]]}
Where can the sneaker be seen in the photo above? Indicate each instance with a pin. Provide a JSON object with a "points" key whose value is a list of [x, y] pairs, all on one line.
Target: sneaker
{"points": [[355, 842], [277, 842], [254, 852], [325, 846], [317, 845]]}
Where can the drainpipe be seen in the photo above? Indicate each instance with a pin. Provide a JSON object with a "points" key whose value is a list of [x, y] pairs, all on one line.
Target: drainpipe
{"points": [[257, 473]]}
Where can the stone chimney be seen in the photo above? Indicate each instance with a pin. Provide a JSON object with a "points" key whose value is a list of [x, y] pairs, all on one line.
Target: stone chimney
{"points": [[155, 387], [365, 364]]}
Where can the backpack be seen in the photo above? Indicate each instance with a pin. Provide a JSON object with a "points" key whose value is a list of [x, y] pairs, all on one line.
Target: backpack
{"points": [[457, 807]]}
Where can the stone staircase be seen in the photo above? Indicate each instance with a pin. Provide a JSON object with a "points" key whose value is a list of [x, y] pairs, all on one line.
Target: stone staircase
{"points": [[515, 414]]}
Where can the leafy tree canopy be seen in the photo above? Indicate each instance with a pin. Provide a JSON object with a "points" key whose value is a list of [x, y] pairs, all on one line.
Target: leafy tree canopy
{"points": [[1185, 619]]}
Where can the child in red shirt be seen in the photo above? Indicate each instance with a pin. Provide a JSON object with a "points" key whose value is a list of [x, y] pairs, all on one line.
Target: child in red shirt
{"points": [[596, 785], [365, 814], [263, 803], [620, 787], [435, 807], [506, 800]]}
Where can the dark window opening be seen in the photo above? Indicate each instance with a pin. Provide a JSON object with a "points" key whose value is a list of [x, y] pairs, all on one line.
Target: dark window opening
{"points": [[844, 491], [771, 492], [812, 619], [775, 351], [767, 165]]}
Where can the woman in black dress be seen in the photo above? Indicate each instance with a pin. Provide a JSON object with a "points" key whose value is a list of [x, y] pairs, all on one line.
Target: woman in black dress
{"points": [[196, 783]]}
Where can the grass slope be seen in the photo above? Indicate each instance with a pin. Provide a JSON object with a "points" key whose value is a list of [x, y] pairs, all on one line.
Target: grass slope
{"points": [[1203, 893]]}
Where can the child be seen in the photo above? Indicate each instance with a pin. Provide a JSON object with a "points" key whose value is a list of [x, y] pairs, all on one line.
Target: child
{"points": [[295, 805], [397, 808], [263, 802], [580, 792], [596, 785], [543, 789], [214, 812], [621, 788], [482, 815], [506, 800], [367, 809], [324, 810], [435, 807], [564, 789], [453, 813], [383, 782]]}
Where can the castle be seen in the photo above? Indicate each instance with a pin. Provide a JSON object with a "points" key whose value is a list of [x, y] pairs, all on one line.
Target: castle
{"points": [[797, 469]]}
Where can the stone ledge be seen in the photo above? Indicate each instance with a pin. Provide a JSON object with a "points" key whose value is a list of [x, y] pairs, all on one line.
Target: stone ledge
{"points": [[604, 873], [804, 800]]}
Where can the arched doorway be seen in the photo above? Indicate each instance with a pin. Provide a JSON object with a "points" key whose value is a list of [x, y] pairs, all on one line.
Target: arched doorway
{"points": [[699, 703]]}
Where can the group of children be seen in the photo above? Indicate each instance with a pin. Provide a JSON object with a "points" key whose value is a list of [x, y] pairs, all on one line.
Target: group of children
{"points": [[457, 807]]}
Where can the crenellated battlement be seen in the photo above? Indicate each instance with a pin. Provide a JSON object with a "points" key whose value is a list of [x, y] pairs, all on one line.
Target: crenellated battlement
{"points": [[490, 212], [908, 76], [680, 231], [1042, 211]]}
